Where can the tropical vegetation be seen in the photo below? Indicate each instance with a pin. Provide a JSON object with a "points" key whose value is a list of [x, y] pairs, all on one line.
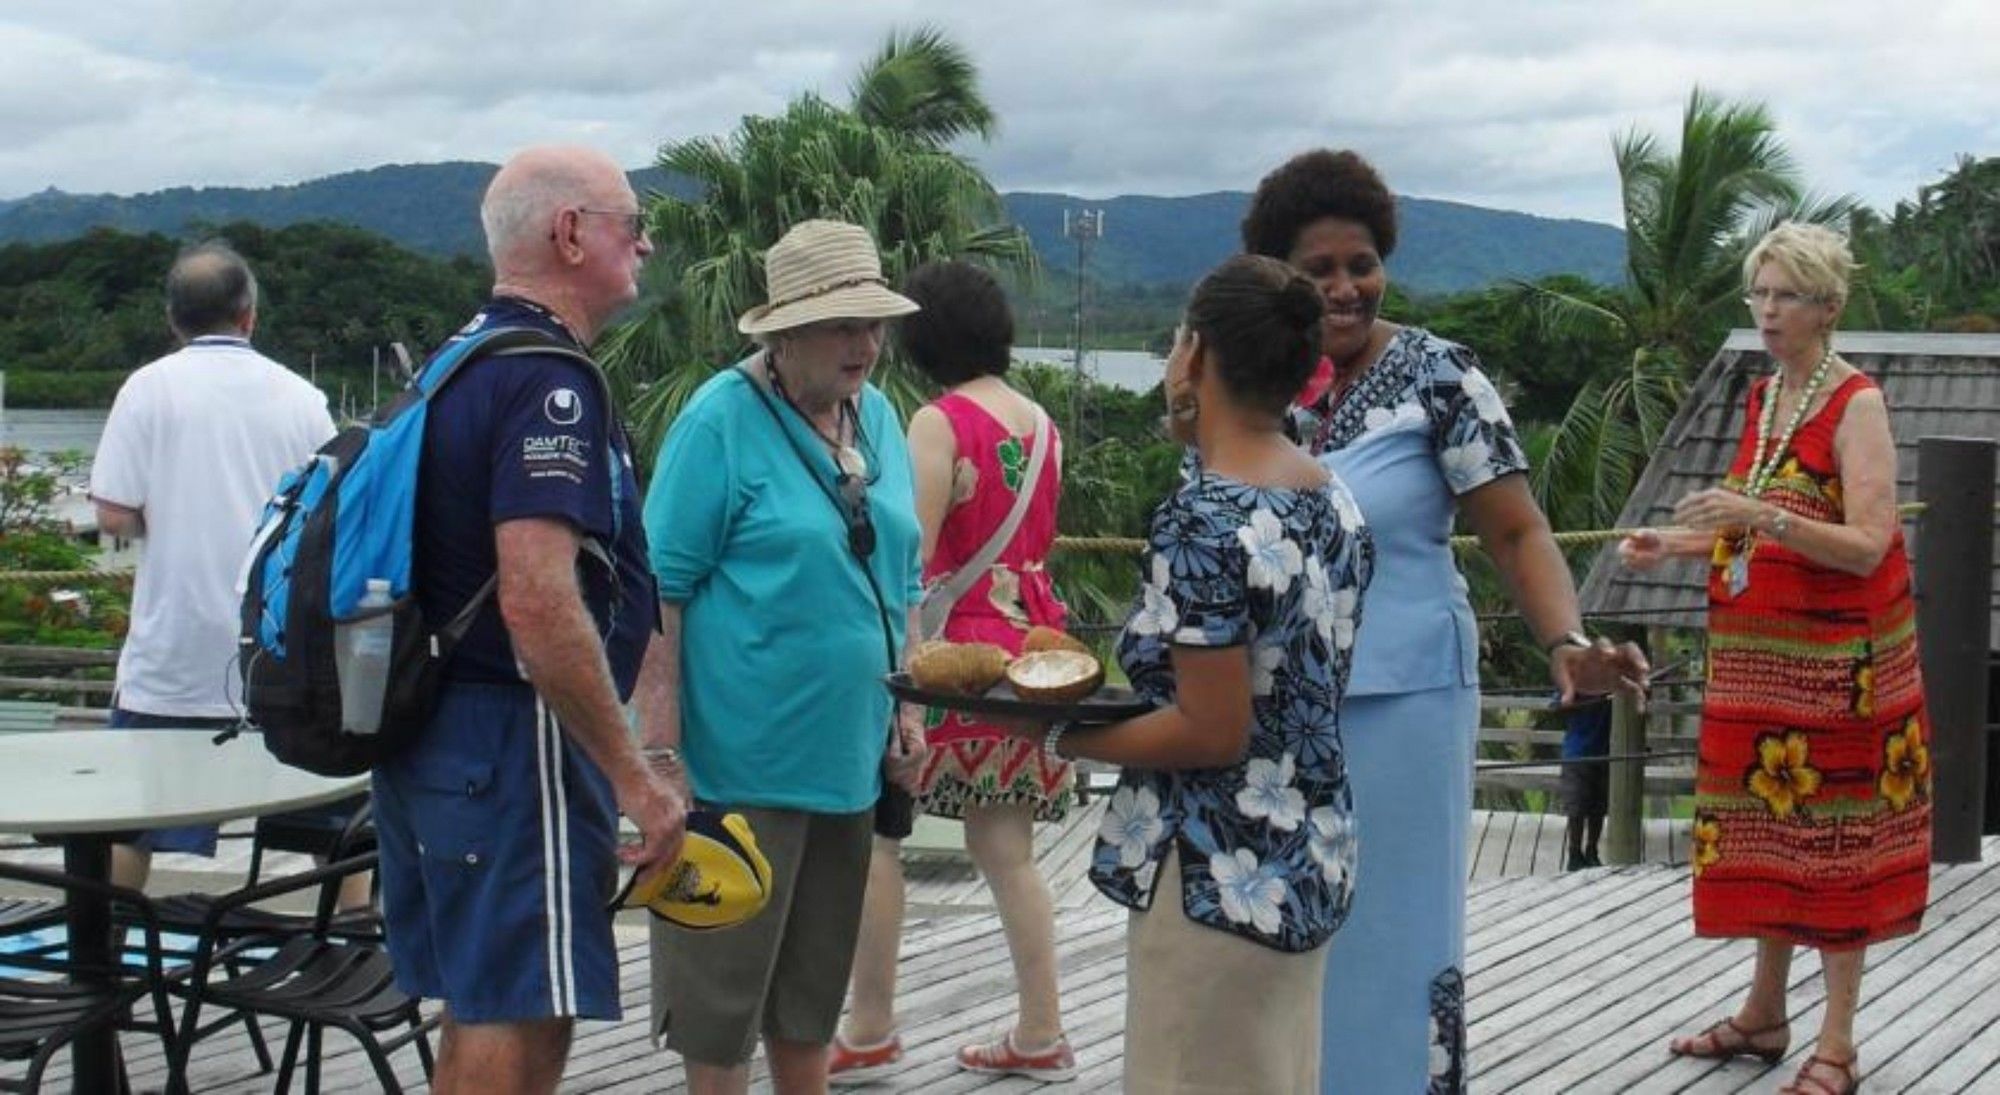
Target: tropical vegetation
{"points": [[882, 161], [1691, 213]]}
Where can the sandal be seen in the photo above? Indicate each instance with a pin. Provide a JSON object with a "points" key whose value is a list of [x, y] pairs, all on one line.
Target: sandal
{"points": [[1807, 1082], [848, 1065], [1710, 1044], [1054, 1065]]}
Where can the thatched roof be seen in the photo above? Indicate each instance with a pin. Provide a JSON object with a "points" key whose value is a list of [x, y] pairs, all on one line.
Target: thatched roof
{"points": [[1935, 384]]}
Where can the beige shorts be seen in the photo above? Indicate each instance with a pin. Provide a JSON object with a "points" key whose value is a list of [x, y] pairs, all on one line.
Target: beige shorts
{"points": [[1207, 1011], [784, 973]]}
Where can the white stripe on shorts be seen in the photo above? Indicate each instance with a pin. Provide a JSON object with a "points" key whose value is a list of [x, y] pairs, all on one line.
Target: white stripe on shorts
{"points": [[555, 860]]}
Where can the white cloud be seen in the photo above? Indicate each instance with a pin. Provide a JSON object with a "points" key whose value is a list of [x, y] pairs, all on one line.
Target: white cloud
{"points": [[1510, 105]]}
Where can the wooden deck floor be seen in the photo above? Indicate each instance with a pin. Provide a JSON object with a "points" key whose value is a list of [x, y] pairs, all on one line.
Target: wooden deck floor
{"points": [[1576, 981]]}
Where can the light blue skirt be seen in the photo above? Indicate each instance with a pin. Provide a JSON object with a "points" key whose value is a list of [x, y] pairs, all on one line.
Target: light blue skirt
{"points": [[1394, 1006]]}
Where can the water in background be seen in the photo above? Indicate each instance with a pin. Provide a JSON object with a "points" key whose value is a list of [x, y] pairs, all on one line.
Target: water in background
{"points": [[1132, 370]]}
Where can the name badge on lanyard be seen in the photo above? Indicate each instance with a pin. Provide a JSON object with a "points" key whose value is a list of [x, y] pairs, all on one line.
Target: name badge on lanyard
{"points": [[1738, 574]]}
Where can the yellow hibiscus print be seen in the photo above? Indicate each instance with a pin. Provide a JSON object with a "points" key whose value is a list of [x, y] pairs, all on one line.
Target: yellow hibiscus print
{"points": [[1781, 776], [1862, 688], [1707, 843], [1906, 765]]}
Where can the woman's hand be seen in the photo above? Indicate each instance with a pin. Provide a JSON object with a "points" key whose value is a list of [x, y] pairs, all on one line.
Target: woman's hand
{"points": [[1599, 669], [903, 760], [1717, 510], [1643, 550]]}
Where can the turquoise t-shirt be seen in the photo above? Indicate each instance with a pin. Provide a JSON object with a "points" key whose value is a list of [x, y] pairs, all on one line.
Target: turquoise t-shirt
{"points": [[782, 656]]}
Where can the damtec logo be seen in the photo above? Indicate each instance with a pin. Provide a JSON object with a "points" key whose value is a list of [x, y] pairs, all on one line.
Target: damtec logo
{"points": [[558, 456]]}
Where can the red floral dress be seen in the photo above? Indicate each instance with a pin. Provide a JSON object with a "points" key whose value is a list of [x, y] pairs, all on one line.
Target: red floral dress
{"points": [[1813, 792], [972, 763]]}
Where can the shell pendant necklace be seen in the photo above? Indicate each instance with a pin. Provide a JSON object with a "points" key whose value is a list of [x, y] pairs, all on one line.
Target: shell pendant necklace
{"points": [[1765, 461], [1766, 458]]}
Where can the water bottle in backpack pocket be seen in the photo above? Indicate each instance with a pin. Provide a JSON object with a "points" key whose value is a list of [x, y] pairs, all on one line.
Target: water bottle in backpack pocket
{"points": [[361, 648]]}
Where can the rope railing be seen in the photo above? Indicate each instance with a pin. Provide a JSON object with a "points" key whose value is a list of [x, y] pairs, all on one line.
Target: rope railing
{"points": [[1102, 545]]}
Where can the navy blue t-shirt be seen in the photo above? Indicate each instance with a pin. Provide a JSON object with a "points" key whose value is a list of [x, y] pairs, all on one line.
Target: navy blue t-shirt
{"points": [[516, 437]]}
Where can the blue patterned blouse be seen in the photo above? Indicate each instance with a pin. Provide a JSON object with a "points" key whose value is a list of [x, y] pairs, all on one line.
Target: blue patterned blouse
{"points": [[1421, 428], [1266, 846]]}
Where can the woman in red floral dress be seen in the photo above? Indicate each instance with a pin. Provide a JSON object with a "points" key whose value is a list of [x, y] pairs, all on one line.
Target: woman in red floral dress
{"points": [[972, 449], [1813, 814]]}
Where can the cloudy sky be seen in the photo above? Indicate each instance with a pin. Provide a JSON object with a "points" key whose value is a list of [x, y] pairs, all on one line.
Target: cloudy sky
{"points": [[1503, 104]]}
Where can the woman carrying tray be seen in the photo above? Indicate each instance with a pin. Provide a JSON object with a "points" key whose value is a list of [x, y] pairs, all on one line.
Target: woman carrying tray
{"points": [[1228, 835], [988, 475]]}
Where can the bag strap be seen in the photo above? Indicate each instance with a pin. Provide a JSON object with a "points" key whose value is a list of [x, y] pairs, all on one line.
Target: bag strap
{"points": [[960, 582], [523, 342]]}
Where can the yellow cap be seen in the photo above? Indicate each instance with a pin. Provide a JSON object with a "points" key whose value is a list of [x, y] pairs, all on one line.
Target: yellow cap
{"points": [[720, 880]]}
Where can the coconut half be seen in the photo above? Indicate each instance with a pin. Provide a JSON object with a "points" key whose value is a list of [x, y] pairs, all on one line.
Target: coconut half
{"points": [[965, 668], [1055, 676]]}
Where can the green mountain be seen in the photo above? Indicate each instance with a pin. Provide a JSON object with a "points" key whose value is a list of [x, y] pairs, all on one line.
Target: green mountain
{"points": [[1446, 246]]}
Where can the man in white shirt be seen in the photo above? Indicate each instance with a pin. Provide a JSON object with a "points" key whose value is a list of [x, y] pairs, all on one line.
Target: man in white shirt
{"points": [[195, 444]]}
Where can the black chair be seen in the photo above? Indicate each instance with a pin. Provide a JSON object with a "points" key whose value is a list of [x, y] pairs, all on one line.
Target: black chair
{"points": [[187, 914], [41, 1016], [312, 981], [21, 916]]}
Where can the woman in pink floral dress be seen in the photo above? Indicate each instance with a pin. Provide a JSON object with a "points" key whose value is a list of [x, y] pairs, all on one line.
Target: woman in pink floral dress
{"points": [[972, 449]]}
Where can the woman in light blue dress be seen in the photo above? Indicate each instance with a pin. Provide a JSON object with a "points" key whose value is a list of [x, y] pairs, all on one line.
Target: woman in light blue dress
{"points": [[1420, 436]]}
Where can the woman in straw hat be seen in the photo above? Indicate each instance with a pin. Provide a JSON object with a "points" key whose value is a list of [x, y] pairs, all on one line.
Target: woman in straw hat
{"points": [[785, 540]]}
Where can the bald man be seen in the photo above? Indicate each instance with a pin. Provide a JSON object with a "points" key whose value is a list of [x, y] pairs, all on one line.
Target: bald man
{"points": [[189, 454], [498, 827]]}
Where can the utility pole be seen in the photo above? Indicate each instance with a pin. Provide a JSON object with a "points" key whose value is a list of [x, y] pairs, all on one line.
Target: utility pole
{"points": [[1086, 227]]}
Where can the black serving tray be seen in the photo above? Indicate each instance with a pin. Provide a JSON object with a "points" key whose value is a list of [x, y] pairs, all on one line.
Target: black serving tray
{"points": [[1111, 703]]}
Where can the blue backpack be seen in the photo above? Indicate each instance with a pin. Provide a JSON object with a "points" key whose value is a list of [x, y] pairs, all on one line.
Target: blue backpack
{"points": [[342, 518]]}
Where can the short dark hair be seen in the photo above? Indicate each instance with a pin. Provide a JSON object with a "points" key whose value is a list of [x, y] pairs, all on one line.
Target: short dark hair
{"points": [[1312, 186], [209, 289], [1260, 319], [965, 328]]}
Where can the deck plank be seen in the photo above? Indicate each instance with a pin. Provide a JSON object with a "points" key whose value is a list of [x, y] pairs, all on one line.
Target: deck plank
{"points": [[1575, 982]]}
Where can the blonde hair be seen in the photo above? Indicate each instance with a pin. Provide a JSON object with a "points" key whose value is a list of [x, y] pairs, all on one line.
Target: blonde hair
{"points": [[1813, 258]]}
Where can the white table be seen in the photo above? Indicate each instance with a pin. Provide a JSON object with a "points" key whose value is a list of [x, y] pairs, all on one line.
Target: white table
{"points": [[90, 785]]}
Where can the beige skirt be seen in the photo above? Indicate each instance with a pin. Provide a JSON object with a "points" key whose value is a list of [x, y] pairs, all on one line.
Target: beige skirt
{"points": [[1207, 1011]]}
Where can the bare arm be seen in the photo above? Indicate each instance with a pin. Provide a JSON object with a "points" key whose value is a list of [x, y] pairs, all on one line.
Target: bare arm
{"points": [[1865, 458], [1208, 725], [123, 522], [1513, 530], [933, 455], [656, 697], [557, 643]]}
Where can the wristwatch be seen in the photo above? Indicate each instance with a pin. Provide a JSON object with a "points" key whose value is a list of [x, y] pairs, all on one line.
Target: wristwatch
{"points": [[1569, 638], [1052, 742]]}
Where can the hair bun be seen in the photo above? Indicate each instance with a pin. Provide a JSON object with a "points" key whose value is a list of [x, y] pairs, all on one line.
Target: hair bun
{"points": [[1299, 302]]}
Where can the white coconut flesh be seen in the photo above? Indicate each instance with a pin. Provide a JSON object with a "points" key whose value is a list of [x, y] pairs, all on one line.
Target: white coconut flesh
{"points": [[1052, 668]]}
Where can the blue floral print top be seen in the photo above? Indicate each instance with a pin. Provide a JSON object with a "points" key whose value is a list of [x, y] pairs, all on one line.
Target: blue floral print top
{"points": [[1422, 427], [1266, 845]]}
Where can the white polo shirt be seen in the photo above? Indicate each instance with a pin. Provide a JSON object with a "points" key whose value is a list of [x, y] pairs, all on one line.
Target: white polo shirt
{"points": [[196, 441]]}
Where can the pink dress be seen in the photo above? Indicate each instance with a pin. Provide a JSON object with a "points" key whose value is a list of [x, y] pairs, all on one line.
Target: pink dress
{"points": [[972, 763]]}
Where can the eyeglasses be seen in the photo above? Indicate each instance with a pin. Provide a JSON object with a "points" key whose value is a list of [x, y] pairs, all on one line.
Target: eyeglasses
{"points": [[854, 510], [635, 223], [1783, 298]]}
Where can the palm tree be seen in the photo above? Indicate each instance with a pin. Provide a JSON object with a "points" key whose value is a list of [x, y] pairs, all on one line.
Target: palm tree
{"points": [[1690, 216], [880, 163], [922, 85]]}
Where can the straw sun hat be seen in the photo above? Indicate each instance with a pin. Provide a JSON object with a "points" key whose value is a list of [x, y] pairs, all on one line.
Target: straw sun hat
{"points": [[823, 270]]}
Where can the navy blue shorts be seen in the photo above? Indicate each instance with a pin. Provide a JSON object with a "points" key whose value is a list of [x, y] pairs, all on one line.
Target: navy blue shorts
{"points": [[499, 853]]}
